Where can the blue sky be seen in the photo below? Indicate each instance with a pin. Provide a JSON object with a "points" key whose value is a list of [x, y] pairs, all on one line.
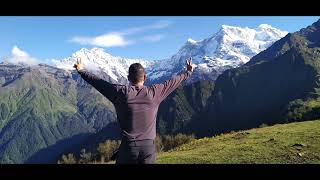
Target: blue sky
{"points": [[148, 37]]}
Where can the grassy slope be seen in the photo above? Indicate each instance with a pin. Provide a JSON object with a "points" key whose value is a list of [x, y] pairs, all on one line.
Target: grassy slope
{"points": [[287, 143], [38, 110]]}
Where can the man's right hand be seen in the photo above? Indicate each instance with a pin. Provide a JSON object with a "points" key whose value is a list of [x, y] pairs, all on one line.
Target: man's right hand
{"points": [[189, 64], [78, 64]]}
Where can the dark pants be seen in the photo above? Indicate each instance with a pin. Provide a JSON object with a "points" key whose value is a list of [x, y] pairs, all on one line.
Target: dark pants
{"points": [[137, 152]]}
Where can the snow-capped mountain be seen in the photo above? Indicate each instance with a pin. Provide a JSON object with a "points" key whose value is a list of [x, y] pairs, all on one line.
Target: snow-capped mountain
{"points": [[230, 47], [99, 62]]}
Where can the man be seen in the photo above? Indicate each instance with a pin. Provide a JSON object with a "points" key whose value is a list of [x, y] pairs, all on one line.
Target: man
{"points": [[136, 106]]}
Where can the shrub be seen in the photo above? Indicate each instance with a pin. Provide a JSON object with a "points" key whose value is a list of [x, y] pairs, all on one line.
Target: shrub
{"points": [[107, 148], [263, 125], [68, 159], [85, 158], [170, 142], [159, 144]]}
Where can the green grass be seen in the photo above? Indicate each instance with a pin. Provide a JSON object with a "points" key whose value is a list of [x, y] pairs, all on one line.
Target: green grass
{"points": [[279, 144]]}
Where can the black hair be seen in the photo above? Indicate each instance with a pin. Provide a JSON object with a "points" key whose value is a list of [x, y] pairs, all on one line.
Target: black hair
{"points": [[136, 73]]}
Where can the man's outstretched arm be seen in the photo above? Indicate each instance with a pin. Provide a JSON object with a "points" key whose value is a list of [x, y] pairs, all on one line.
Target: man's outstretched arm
{"points": [[164, 89], [107, 89]]}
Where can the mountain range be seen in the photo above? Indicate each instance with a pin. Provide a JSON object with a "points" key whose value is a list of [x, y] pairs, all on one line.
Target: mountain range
{"points": [[230, 47]]}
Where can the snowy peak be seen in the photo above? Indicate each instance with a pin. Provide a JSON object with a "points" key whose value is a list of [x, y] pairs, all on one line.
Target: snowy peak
{"points": [[191, 41], [268, 28], [232, 36], [263, 32], [230, 47], [236, 43], [100, 62], [266, 32]]}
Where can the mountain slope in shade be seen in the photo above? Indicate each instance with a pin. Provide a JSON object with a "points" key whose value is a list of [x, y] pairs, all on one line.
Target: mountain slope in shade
{"points": [[177, 110]]}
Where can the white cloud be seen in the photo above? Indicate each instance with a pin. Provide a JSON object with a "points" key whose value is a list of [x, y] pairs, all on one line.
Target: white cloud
{"points": [[161, 24], [19, 56], [157, 25], [154, 38], [105, 40], [117, 38]]}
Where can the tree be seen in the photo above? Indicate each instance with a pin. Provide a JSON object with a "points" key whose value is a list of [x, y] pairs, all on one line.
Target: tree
{"points": [[85, 157], [68, 159]]}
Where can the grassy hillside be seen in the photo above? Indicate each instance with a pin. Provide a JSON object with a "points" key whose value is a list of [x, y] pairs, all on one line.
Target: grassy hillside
{"points": [[45, 111], [286, 143]]}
